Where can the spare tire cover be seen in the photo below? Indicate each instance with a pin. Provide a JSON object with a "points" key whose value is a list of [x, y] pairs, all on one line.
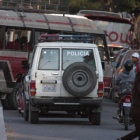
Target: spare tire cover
{"points": [[79, 79]]}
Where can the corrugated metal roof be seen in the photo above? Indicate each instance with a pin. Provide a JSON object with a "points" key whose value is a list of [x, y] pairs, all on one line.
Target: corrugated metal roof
{"points": [[10, 18], [58, 22], [46, 21]]}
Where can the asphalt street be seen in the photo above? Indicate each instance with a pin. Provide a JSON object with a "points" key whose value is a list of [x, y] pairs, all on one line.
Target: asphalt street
{"points": [[55, 128], [2, 125]]}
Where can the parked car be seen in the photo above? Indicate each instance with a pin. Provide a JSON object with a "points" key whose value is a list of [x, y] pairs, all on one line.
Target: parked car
{"points": [[125, 55], [64, 76]]}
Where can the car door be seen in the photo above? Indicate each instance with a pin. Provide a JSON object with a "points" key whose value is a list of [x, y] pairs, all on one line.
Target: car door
{"points": [[48, 76]]}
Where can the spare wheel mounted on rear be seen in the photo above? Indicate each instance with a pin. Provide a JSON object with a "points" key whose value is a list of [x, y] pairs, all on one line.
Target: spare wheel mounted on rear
{"points": [[79, 79]]}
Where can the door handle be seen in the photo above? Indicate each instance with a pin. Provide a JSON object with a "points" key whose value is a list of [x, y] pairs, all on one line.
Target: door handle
{"points": [[55, 73]]}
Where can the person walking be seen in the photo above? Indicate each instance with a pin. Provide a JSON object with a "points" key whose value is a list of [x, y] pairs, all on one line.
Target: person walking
{"points": [[135, 108]]}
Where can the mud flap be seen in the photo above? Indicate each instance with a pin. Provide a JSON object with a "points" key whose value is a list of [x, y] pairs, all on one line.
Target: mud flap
{"points": [[126, 110]]}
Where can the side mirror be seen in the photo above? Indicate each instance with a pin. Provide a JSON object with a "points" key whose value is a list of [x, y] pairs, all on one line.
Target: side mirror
{"points": [[25, 64], [114, 64]]}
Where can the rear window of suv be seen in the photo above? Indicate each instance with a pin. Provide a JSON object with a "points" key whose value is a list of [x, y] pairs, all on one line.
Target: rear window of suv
{"points": [[78, 55], [49, 59]]}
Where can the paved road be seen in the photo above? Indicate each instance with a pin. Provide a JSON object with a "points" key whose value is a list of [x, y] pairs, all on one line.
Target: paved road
{"points": [[65, 128]]}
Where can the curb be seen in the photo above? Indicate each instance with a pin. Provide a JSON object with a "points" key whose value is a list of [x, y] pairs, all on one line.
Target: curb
{"points": [[2, 125]]}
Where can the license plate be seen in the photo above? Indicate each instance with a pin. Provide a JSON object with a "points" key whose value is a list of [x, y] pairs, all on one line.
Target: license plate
{"points": [[49, 88], [127, 104]]}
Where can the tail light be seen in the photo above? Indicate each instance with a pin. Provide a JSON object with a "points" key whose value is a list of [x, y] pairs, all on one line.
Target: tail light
{"points": [[127, 99], [100, 89], [107, 81], [32, 88]]}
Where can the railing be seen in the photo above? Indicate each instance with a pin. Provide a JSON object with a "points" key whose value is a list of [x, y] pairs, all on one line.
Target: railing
{"points": [[36, 5]]}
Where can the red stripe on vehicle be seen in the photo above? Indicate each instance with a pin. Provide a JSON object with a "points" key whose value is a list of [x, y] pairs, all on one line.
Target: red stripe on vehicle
{"points": [[74, 24]]}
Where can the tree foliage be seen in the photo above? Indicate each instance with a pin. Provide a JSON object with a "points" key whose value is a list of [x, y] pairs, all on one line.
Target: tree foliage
{"points": [[76, 5], [115, 5], [108, 5], [124, 5]]}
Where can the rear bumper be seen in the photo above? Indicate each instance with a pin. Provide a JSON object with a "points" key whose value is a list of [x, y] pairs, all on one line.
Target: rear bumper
{"points": [[66, 101]]}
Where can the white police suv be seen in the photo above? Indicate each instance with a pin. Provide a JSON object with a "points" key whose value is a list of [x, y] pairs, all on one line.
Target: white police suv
{"points": [[64, 76]]}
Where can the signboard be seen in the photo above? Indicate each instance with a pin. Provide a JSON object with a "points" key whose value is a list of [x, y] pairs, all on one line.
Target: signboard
{"points": [[117, 33]]}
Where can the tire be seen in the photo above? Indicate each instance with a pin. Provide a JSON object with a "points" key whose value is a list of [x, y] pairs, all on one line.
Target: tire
{"points": [[112, 90], [5, 104], [26, 109], [13, 97], [95, 118], [33, 115], [79, 79], [110, 93], [115, 97], [126, 122]]}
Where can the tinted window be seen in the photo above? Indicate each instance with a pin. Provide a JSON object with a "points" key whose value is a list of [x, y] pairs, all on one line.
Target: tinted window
{"points": [[78, 55], [49, 59]]}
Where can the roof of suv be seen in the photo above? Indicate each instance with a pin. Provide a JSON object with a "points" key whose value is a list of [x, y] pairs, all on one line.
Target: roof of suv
{"points": [[66, 44]]}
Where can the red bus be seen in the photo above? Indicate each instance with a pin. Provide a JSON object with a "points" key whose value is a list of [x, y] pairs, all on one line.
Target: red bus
{"points": [[19, 31]]}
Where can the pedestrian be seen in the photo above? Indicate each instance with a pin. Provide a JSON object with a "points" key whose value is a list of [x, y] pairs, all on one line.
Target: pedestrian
{"points": [[135, 108], [135, 59]]}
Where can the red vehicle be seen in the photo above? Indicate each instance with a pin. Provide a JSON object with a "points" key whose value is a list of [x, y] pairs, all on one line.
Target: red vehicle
{"points": [[19, 31]]}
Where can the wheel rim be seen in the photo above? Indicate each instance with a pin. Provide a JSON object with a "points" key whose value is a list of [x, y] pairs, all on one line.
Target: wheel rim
{"points": [[79, 78]]}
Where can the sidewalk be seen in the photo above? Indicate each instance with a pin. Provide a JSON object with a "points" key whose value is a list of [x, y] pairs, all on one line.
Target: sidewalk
{"points": [[2, 125]]}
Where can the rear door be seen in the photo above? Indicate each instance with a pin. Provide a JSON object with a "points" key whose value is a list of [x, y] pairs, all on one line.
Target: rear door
{"points": [[72, 55], [48, 73]]}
